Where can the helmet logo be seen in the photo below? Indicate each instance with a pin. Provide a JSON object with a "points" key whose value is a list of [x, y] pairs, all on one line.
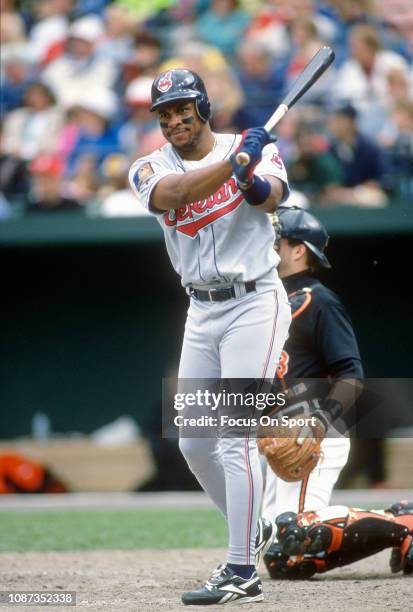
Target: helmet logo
{"points": [[165, 83]]}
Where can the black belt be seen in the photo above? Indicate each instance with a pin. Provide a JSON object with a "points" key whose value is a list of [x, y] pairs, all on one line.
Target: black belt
{"points": [[220, 294]]}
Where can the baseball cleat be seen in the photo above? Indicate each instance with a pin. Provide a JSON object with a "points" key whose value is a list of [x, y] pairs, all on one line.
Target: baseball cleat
{"points": [[264, 538], [226, 587]]}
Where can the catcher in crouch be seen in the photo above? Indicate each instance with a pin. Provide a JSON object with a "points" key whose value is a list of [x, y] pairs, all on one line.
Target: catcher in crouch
{"points": [[306, 462]]}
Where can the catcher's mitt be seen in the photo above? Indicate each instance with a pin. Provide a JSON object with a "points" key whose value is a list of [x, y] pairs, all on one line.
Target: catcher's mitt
{"points": [[293, 451]]}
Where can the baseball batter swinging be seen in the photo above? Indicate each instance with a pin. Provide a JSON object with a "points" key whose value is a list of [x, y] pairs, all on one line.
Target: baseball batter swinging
{"points": [[219, 239]]}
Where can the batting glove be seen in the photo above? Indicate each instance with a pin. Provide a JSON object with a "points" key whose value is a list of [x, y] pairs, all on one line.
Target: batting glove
{"points": [[252, 143]]}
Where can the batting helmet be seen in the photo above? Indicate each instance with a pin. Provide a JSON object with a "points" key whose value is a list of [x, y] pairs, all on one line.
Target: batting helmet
{"points": [[181, 84], [301, 225]]}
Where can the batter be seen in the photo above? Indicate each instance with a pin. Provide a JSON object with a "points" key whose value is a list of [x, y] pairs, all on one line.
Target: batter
{"points": [[219, 239]]}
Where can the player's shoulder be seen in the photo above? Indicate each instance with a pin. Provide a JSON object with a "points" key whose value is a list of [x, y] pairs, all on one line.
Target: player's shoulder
{"points": [[159, 159], [312, 294], [323, 296]]}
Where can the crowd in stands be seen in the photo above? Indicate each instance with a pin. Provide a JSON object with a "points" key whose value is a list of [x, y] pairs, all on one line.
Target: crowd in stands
{"points": [[76, 78]]}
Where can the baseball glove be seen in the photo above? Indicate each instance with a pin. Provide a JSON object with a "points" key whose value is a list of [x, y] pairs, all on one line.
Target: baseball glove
{"points": [[293, 451]]}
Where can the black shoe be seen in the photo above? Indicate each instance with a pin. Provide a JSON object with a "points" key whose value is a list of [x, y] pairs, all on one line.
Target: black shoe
{"points": [[264, 538], [225, 587]]}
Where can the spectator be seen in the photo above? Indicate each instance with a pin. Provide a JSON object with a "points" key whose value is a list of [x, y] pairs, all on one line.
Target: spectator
{"points": [[17, 75], [47, 36], [223, 25], [141, 134], [98, 136], [144, 58], [398, 143], [118, 40], [306, 42], [81, 69], [14, 176], [47, 190], [12, 34], [33, 129], [262, 83], [315, 170], [363, 78], [361, 161], [116, 197]]}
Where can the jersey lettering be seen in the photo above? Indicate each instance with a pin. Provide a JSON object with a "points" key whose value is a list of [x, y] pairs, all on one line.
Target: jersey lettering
{"points": [[221, 203]]}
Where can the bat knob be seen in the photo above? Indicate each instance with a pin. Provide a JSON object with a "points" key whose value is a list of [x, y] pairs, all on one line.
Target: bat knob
{"points": [[242, 159]]}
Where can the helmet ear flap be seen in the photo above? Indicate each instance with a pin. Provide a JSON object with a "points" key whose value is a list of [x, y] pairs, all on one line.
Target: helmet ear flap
{"points": [[203, 108]]}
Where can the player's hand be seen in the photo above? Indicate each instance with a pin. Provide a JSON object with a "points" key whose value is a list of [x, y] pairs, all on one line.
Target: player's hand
{"points": [[253, 141]]}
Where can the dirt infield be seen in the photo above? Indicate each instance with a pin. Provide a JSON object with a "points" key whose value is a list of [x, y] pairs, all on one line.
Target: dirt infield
{"points": [[146, 581]]}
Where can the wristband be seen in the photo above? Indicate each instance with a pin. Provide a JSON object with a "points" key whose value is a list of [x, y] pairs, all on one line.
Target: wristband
{"points": [[258, 192]]}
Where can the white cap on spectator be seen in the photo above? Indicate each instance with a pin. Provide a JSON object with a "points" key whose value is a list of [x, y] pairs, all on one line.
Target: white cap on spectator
{"points": [[138, 92], [88, 28], [102, 102]]}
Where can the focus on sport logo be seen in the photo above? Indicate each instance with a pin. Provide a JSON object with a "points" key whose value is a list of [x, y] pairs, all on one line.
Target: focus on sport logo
{"points": [[165, 82]]}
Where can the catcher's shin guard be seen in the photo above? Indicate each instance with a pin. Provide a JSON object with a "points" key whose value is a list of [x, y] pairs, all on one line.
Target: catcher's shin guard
{"points": [[337, 536], [402, 556], [280, 566]]}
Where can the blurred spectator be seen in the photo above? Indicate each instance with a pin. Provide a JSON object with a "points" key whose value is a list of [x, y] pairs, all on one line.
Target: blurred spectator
{"points": [[84, 182], [81, 69], [361, 161], [363, 78], [17, 75], [144, 57], [47, 36], [12, 33], [398, 143], [141, 133], [223, 25], [118, 40], [47, 187], [315, 171], [34, 128], [306, 42], [14, 176], [223, 88], [262, 83], [87, 7], [116, 198], [98, 136]]}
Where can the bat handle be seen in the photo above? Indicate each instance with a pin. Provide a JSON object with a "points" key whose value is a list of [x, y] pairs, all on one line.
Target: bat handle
{"points": [[242, 158]]}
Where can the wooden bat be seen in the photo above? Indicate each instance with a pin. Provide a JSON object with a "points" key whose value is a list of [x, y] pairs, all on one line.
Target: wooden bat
{"points": [[311, 73]]}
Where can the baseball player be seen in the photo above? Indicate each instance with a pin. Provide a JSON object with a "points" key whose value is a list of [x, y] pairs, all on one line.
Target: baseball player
{"points": [[219, 239], [321, 345]]}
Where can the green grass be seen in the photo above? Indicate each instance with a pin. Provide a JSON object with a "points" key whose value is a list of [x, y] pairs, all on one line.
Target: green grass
{"points": [[94, 530]]}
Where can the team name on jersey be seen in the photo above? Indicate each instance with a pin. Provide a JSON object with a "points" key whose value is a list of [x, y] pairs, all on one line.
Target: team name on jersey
{"points": [[191, 218]]}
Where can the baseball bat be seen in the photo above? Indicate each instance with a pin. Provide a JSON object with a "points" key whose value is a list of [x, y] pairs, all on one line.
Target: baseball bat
{"points": [[311, 73]]}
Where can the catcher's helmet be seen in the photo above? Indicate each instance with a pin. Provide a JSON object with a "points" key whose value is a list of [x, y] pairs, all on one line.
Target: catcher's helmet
{"points": [[301, 225], [181, 84]]}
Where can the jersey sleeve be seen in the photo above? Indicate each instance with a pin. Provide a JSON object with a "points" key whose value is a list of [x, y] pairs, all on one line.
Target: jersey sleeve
{"points": [[144, 175], [272, 164], [335, 339]]}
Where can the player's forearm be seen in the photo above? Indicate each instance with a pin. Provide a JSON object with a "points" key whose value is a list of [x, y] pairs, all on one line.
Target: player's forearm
{"points": [[179, 190]]}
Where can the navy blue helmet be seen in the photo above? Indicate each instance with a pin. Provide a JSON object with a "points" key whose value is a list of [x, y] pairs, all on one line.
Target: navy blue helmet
{"points": [[181, 84], [303, 226]]}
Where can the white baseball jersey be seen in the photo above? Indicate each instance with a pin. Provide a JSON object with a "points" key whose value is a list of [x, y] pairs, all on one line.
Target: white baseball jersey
{"points": [[220, 239]]}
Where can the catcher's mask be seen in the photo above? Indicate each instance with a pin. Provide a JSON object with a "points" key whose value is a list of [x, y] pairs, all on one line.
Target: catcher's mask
{"points": [[181, 84], [294, 222]]}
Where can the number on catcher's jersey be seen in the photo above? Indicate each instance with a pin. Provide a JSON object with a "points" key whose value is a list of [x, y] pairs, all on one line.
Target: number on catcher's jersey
{"points": [[282, 367]]}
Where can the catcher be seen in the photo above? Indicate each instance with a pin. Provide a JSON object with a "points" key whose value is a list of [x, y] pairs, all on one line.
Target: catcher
{"points": [[321, 346]]}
